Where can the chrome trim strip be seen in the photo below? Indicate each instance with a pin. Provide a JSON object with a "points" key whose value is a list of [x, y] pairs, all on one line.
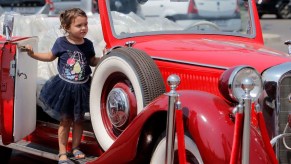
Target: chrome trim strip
{"points": [[275, 73], [190, 63]]}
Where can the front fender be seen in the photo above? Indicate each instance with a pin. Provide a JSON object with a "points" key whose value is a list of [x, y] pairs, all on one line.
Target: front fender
{"points": [[124, 149], [206, 118], [211, 127]]}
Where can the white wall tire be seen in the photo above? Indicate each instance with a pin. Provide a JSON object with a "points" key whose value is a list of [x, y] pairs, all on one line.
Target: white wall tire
{"points": [[159, 152], [127, 69]]}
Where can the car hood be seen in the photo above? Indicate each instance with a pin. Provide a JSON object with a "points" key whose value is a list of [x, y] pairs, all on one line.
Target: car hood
{"points": [[215, 53]]}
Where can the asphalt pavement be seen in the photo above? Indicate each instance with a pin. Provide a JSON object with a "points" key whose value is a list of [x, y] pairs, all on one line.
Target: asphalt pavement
{"points": [[271, 38], [276, 32]]}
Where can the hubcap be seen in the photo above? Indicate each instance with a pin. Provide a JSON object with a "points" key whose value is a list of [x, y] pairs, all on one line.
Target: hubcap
{"points": [[117, 107]]}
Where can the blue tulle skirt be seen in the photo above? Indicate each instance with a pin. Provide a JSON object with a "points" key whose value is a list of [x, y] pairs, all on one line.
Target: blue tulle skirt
{"points": [[65, 100]]}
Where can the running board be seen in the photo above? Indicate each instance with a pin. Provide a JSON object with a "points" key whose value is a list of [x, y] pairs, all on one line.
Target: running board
{"points": [[30, 148], [41, 151]]}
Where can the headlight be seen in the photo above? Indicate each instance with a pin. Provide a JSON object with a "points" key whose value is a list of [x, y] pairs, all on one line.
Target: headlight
{"points": [[230, 83]]}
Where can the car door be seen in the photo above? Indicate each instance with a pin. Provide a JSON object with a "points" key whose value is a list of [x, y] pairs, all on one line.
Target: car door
{"points": [[18, 90]]}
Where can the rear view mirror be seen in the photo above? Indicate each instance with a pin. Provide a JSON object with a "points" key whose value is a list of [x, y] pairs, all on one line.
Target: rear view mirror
{"points": [[8, 26]]}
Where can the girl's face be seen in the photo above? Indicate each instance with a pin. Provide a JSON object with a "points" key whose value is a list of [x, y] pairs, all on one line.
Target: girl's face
{"points": [[78, 28]]}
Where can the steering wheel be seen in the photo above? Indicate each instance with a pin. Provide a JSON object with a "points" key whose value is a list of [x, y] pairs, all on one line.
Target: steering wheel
{"points": [[196, 26]]}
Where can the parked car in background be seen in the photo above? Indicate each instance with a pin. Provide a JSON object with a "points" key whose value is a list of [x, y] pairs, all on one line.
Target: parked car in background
{"points": [[232, 92], [125, 6], [164, 9], [202, 8], [224, 13], [89, 6], [26, 7], [277, 7]]}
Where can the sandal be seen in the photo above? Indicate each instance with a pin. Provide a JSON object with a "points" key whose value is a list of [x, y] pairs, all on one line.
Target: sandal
{"points": [[67, 161], [77, 153]]}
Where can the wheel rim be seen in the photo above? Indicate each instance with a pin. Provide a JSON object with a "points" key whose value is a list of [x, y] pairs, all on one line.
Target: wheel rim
{"points": [[118, 104]]}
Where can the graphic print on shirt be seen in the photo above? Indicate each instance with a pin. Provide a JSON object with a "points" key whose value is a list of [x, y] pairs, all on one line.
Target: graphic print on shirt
{"points": [[74, 69]]}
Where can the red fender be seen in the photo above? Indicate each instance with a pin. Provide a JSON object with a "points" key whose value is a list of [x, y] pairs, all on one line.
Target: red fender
{"points": [[211, 127], [206, 117], [123, 150]]}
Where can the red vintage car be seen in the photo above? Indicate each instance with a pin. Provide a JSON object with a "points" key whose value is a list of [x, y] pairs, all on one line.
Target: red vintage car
{"points": [[207, 76]]}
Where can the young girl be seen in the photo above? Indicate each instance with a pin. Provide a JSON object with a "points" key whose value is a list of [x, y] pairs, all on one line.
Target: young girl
{"points": [[66, 95]]}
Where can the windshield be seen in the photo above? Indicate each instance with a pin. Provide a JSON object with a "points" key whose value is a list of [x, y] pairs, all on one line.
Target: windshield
{"points": [[140, 17]]}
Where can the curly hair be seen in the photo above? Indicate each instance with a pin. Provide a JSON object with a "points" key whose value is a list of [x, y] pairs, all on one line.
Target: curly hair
{"points": [[68, 16]]}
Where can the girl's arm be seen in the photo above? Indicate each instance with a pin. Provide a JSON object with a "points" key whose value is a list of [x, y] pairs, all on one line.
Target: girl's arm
{"points": [[46, 57], [93, 61]]}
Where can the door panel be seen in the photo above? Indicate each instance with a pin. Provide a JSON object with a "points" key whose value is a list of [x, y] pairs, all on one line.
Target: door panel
{"points": [[18, 91], [25, 92]]}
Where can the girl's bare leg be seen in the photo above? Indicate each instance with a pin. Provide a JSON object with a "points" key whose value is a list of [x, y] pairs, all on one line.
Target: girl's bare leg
{"points": [[77, 134], [63, 135]]}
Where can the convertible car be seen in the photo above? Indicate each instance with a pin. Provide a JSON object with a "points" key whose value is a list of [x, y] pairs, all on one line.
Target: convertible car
{"points": [[194, 89]]}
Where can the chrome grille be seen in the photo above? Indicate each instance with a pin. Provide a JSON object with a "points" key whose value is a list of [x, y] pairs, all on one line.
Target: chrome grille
{"points": [[285, 109], [276, 106]]}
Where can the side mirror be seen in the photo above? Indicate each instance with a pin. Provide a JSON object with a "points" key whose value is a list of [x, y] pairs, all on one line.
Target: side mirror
{"points": [[8, 26]]}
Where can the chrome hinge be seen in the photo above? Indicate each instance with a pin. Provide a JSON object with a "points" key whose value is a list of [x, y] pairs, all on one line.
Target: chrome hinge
{"points": [[129, 43], [12, 68]]}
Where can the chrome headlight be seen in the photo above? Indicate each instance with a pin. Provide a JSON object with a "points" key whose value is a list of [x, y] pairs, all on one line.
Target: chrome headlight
{"points": [[230, 83]]}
